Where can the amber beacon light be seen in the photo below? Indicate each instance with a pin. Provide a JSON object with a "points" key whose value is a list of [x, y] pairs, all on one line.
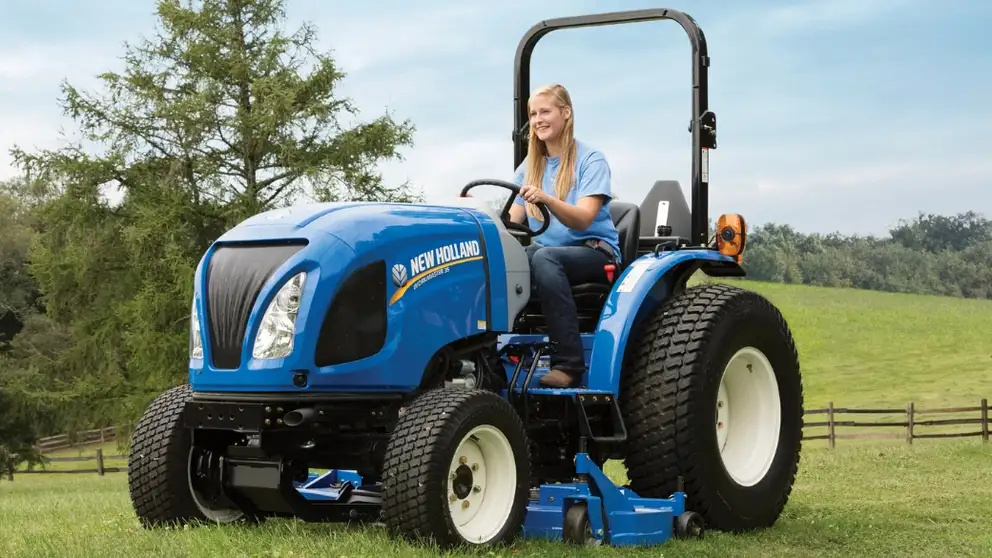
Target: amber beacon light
{"points": [[731, 234]]}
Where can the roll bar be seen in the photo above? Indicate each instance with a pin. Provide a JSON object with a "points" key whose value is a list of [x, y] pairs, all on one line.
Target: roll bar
{"points": [[703, 121]]}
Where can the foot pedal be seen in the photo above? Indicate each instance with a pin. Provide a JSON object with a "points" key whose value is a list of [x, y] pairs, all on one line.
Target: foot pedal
{"points": [[606, 424]]}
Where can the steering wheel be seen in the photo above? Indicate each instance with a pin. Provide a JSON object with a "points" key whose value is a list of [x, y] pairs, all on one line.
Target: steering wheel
{"points": [[505, 213]]}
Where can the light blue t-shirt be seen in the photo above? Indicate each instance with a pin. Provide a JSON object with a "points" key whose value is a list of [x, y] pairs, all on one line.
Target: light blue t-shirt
{"points": [[592, 177]]}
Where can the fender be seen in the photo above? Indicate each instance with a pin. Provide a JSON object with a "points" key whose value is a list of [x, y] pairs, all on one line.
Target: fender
{"points": [[645, 283]]}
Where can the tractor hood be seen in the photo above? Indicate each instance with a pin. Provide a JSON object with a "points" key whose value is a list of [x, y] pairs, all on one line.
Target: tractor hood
{"points": [[296, 217], [367, 278], [349, 222]]}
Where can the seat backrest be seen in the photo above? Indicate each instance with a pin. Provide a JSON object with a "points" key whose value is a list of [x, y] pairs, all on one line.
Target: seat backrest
{"points": [[627, 219]]}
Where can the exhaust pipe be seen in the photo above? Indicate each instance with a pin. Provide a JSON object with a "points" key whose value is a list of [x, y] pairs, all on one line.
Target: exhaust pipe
{"points": [[298, 416]]}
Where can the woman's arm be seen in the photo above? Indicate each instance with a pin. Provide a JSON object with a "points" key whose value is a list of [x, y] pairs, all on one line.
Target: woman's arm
{"points": [[591, 192], [517, 212]]}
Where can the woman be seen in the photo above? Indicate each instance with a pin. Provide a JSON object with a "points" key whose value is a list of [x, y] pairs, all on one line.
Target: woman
{"points": [[573, 181]]}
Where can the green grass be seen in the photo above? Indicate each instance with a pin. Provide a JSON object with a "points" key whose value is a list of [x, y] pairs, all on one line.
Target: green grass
{"points": [[870, 498], [931, 499]]}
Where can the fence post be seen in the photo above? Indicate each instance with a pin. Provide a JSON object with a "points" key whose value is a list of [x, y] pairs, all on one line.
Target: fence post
{"points": [[830, 425], [909, 423], [985, 420], [99, 461]]}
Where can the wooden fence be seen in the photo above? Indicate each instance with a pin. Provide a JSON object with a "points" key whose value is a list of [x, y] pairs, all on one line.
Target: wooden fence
{"points": [[100, 469], [909, 423], [65, 441]]}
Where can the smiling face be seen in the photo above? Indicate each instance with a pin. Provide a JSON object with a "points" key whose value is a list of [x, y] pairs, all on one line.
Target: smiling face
{"points": [[547, 119], [552, 127]]}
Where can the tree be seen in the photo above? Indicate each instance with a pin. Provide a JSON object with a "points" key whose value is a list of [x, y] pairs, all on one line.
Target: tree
{"points": [[218, 101], [935, 233], [18, 303], [18, 292], [218, 116], [17, 438]]}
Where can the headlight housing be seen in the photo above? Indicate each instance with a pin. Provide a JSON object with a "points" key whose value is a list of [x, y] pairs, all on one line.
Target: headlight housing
{"points": [[195, 338], [275, 334]]}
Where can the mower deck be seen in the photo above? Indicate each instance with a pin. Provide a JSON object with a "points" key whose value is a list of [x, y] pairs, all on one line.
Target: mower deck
{"points": [[596, 511], [592, 511]]}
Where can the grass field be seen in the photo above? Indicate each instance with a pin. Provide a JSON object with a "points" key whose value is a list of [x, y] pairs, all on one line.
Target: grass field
{"points": [[858, 349], [932, 499]]}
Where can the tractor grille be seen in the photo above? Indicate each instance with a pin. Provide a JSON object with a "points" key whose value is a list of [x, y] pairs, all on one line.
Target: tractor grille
{"points": [[235, 276], [355, 324]]}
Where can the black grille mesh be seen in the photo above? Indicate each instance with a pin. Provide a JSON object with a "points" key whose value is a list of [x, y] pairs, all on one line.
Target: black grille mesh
{"points": [[235, 276]]}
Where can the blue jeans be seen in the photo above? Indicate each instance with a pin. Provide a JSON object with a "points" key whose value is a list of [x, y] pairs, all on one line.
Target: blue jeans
{"points": [[554, 269]]}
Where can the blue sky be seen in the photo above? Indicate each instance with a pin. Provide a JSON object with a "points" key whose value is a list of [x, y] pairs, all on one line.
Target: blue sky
{"points": [[833, 114]]}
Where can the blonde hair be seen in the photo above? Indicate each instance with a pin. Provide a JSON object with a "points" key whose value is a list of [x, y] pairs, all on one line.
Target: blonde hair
{"points": [[537, 150]]}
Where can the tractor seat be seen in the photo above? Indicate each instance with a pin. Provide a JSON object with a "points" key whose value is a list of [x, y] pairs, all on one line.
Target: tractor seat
{"points": [[627, 219], [590, 297]]}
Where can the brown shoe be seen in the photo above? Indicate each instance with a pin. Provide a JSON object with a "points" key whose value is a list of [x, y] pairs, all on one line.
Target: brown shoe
{"points": [[560, 379]]}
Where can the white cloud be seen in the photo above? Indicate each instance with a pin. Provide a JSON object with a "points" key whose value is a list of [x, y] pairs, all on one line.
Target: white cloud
{"points": [[443, 163], [47, 62], [908, 176], [30, 80], [410, 32]]}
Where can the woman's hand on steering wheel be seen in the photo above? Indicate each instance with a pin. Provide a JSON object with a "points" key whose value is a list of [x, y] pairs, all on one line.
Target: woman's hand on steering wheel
{"points": [[533, 194], [505, 214]]}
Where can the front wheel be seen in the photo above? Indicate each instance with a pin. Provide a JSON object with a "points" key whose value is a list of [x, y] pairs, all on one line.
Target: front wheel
{"points": [[712, 393], [456, 470], [161, 467]]}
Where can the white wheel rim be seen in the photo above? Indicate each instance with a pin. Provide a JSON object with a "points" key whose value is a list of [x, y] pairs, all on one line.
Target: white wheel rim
{"points": [[481, 484], [748, 416]]}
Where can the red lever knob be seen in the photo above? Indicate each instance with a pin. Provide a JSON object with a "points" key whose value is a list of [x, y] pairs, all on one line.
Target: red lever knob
{"points": [[609, 268]]}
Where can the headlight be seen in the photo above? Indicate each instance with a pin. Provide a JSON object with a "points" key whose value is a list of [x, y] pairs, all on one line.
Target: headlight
{"points": [[275, 334], [195, 339]]}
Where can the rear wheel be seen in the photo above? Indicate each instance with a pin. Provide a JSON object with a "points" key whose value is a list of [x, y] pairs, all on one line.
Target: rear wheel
{"points": [[457, 470], [712, 393]]}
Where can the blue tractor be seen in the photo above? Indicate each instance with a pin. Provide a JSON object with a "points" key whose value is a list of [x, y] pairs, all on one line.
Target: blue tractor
{"points": [[379, 362]]}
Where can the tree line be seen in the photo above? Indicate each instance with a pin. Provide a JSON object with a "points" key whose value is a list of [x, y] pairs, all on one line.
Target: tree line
{"points": [[220, 115], [949, 255]]}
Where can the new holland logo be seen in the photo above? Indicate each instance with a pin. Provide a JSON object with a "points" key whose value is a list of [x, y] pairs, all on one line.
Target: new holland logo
{"points": [[431, 264], [399, 275]]}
